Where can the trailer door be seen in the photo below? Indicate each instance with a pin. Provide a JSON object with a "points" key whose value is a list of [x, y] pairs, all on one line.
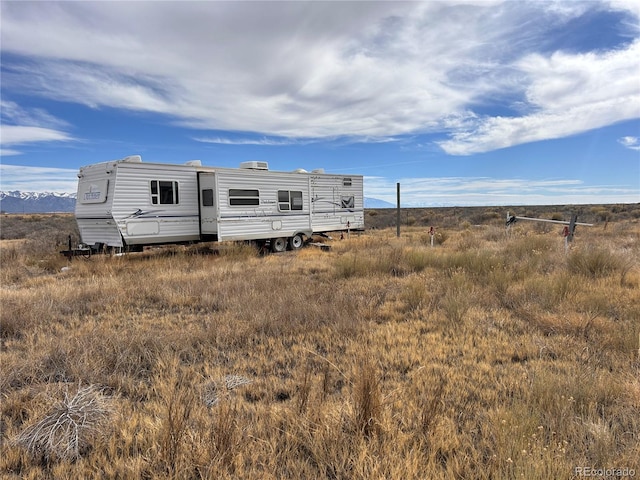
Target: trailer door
{"points": [[208, 203]]}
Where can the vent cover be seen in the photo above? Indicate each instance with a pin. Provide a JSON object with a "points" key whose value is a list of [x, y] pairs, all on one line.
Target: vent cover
{"points": [[255, 165]]}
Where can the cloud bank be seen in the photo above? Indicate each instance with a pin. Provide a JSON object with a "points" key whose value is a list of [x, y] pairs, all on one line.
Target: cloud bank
{"points": [[479, 191], [37, 179], [317, 70]]}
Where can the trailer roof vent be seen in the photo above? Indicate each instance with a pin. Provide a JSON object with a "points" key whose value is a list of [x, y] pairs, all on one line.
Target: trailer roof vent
{"points": [[194, 163], [132, 159], [318, 170], [300, 170], [255, 165]]}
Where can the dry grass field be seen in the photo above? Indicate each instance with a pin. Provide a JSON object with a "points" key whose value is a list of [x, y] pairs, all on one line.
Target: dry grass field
{"points": [[485, 357]]}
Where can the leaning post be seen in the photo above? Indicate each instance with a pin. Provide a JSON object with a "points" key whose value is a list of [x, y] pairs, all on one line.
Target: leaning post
{"points": [[572, 227], [398, 211]]}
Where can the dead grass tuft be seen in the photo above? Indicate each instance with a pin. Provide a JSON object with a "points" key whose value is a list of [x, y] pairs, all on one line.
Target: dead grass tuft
{"points": [[367, 400], [69, 429]]}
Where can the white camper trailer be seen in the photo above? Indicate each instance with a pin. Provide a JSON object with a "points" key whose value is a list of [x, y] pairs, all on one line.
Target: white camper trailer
{"points": [[129, 204]]}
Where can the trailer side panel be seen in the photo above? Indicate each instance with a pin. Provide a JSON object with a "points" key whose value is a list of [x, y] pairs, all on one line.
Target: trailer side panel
{"points": [[96, 186], [257, 204], [337, 202], [156, 203]]}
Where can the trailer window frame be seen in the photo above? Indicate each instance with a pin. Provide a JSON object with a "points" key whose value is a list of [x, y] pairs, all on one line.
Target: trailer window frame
{"points": [[208, 199], [164, 192], [348, 202], [290, 200], [244, 197]]}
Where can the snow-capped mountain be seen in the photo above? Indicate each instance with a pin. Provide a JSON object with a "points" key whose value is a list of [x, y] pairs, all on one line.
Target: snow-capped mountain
{"points": [[36, 202], [377, 203]]}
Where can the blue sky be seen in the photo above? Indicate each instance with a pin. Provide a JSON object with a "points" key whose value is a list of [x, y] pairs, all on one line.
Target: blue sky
{"points": [[470, 103]]}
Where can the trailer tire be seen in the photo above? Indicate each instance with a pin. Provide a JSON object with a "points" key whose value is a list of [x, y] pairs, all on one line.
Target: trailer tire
{"points": [[278, 245], [296, 242]]}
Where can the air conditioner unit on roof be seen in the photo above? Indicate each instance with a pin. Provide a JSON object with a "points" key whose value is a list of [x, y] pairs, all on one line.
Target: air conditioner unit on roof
{"points": [[255, 165]]}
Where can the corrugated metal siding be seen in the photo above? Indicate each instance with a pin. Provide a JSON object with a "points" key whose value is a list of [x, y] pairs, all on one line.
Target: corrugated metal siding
{"points": [[175, 223], [94, 220], [104, 231], [94, 174], [263, 220], [327, 213]]}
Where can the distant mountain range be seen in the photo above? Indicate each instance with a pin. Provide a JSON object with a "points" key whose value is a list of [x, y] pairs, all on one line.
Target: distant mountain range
{"points": [[376, 203], [36, 202], [50, 202]]}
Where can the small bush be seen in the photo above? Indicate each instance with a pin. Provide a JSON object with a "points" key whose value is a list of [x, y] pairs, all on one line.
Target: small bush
{"points": [[13, 322], [594, 262], [455, 305], [601, 213], [416, 296], [417, 260], [360, 265], [456, 300], [439, 238], [528, 246]]}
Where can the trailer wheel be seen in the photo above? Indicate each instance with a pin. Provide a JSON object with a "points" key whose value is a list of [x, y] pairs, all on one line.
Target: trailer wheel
{"points": [[296, 242], [278, 245]]}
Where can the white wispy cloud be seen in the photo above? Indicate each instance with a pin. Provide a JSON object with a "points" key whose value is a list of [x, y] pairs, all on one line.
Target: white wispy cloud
{"points": [[250, 141], [14, 114], [284, 142], [6, 152], [632, 143], [318, 70], [18, 134], [37, 179], [26, 126]]}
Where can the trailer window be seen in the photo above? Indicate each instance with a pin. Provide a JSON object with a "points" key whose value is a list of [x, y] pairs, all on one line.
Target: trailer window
{"points": [[348, 202], [207, 197], [164, 192], [346, 182], [289, 200], [242, 197]]}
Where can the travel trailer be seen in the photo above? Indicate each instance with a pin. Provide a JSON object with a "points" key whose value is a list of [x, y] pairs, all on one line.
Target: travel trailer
{"points": [[128, 204]]}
